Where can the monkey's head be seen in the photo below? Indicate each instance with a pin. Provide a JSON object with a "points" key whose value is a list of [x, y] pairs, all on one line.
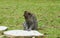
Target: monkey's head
{"points": [[27, 15]]}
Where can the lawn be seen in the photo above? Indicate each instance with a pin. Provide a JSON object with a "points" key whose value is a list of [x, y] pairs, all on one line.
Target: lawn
{"points": [[46, 11]]}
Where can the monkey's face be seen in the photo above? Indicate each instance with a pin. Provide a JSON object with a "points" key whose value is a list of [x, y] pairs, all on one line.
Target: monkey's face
{"points": [[27, 15]]}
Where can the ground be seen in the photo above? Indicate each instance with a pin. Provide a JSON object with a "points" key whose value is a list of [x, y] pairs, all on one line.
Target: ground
{"points": [[46, 11]]}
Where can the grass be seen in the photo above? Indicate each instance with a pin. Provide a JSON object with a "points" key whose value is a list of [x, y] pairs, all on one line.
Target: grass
{"points": [[46, 11]]}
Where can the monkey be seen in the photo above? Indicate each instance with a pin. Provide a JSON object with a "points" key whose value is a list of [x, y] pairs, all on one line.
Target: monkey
{"points": [[30, 21]]}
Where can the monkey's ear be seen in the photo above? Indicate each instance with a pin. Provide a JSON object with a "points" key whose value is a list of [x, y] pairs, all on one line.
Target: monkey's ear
{"points": [[25, 11]]}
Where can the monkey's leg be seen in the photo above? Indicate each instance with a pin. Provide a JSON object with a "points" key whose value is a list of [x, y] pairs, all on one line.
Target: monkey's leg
{"points": [[25, 26]]}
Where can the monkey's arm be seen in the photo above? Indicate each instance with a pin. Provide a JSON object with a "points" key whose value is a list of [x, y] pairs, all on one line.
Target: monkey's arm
{"points": [[34, 24], [31, 27]]}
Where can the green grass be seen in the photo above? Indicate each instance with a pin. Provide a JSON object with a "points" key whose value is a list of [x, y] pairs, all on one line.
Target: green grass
{"points": [[46, 11]]}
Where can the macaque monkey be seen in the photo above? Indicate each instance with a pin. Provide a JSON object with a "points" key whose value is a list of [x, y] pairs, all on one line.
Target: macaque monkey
{"points": [[30, 21]]}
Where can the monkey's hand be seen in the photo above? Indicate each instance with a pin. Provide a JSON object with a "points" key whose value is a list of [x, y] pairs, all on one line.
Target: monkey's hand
{"points": [[29, 30]]}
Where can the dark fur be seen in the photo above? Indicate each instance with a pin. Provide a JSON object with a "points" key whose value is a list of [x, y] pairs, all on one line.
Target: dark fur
{"points": [[30, 21]]}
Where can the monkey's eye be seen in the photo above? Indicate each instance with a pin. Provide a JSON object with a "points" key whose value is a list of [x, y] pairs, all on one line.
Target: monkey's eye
{"points": [[29, 14]]}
